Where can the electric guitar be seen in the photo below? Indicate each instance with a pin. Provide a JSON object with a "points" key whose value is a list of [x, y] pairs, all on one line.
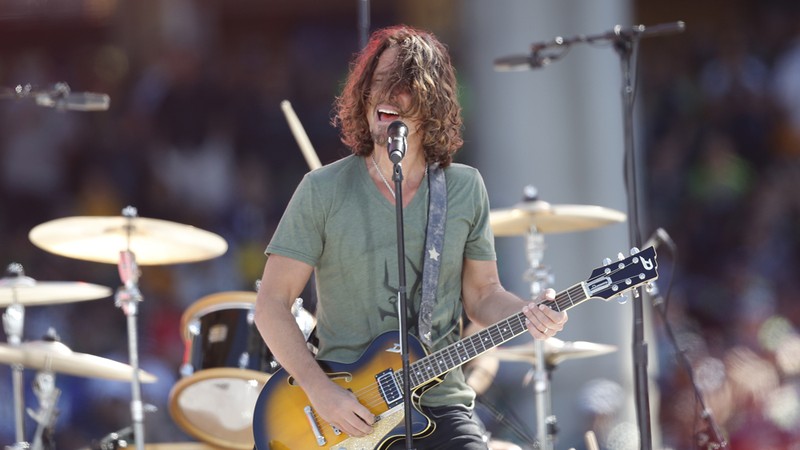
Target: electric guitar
{"points": [[284, 419]]}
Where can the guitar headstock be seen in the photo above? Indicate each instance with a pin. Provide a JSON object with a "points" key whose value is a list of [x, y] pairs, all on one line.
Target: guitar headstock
{"points": [[621, 276]]}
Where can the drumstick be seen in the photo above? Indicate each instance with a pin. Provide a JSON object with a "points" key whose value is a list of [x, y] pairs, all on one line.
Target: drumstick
{"points": [[300, 135], [591, 440]]}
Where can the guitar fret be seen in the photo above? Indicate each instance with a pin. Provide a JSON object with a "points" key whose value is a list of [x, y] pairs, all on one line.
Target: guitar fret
{"points": [[475, 351], [422, 370], [460, 348], [570, 298], [486, 339], [448, 353]]}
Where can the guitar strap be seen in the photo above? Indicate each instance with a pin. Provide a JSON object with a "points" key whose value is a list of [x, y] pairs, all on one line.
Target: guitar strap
{"points": [[434, 241]]}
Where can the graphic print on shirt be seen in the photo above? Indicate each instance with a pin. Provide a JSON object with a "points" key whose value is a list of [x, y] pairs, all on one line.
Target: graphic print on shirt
{"points": [[413, 300]]}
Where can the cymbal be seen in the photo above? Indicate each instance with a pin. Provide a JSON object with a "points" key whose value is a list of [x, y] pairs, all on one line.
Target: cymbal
{"points": [[556, 351], [57, 357], [27, 291], [547, 218], [152, 241]]}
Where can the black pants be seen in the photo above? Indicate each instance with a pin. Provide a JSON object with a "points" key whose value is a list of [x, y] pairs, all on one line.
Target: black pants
{"points": [[456, 429]]}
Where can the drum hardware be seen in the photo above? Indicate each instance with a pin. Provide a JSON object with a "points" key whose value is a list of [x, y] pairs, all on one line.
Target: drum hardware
{"points": [[483, 369], [60, 96], [120, 241], [555, 352], [47, 393], [533, 218], [49, 356], [508, 420], [17, 291], [123, 438]]}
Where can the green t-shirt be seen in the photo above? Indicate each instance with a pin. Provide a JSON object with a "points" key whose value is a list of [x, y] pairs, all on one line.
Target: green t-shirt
{"points": [[338, 222]]}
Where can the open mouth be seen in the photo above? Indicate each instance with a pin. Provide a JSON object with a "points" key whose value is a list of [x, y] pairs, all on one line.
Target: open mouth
{"points": [[387, 115]]}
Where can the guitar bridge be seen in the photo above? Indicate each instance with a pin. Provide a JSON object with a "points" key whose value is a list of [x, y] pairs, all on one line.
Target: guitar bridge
{"points": [[314, 427], [389, 388]]}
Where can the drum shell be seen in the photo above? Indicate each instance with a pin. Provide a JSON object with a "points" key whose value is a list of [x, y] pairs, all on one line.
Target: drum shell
{"points": [[219, 331]]}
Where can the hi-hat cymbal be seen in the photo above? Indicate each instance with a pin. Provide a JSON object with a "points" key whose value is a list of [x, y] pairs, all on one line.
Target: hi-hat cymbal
{"points": [[152, 241], [27, 291], [57, 357], [555, 351], [547, 218]]}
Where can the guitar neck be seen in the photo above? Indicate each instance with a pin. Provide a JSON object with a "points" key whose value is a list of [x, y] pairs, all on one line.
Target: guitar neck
{"points": [[454, 355]]}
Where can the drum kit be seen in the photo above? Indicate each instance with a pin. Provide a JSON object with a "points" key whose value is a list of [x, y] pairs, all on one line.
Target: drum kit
{"points": [[128, 241], [225, 363]]}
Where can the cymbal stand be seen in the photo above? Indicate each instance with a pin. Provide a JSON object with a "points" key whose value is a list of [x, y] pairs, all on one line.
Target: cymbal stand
{"points": [[540, 279], [46, 391], [127, 298], [13, 323]]}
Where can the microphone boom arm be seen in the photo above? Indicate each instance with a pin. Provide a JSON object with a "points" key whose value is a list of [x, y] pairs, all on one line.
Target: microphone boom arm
{"points": [[544, 52]]}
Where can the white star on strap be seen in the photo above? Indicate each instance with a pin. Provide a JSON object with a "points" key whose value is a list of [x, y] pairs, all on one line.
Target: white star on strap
{"points": [[433, 254]]}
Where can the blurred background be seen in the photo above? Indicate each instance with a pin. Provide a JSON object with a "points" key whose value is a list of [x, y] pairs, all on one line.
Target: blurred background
{"points": [[195, 135]]}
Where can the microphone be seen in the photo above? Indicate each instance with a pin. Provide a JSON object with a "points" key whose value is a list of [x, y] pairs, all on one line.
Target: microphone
{"points": [[660, 236], [74, 101], [398, 131], [519, 63]]}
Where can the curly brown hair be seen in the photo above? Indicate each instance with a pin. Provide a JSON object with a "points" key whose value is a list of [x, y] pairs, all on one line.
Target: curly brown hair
{"points": [[422, 68]]}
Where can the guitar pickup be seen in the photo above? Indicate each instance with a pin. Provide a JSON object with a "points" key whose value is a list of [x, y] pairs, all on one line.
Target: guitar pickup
{"points": [[389, 388]]}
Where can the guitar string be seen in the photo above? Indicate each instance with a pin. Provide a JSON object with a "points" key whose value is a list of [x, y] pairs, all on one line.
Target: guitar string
{"points": [[371, 394]]}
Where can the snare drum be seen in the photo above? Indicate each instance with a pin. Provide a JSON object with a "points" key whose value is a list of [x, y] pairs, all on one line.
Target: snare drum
{"points": [[225, 366]]}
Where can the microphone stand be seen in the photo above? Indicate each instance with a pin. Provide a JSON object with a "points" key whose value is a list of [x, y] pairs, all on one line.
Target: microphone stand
{"points": [[402, 315], [625, 43], [625, 47], [397, 176]]}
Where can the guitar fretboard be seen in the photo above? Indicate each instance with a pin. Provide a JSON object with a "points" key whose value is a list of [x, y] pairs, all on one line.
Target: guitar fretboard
{"points": [[440, 362]]}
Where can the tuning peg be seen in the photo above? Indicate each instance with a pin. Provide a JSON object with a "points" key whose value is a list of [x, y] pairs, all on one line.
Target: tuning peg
{"points": [[620, 256], [606, 261], [623, 298], [634, 250]]}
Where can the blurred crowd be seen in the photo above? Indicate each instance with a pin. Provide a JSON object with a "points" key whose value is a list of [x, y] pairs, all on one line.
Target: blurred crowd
{"points": [[722, 139], [195, 135]]}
